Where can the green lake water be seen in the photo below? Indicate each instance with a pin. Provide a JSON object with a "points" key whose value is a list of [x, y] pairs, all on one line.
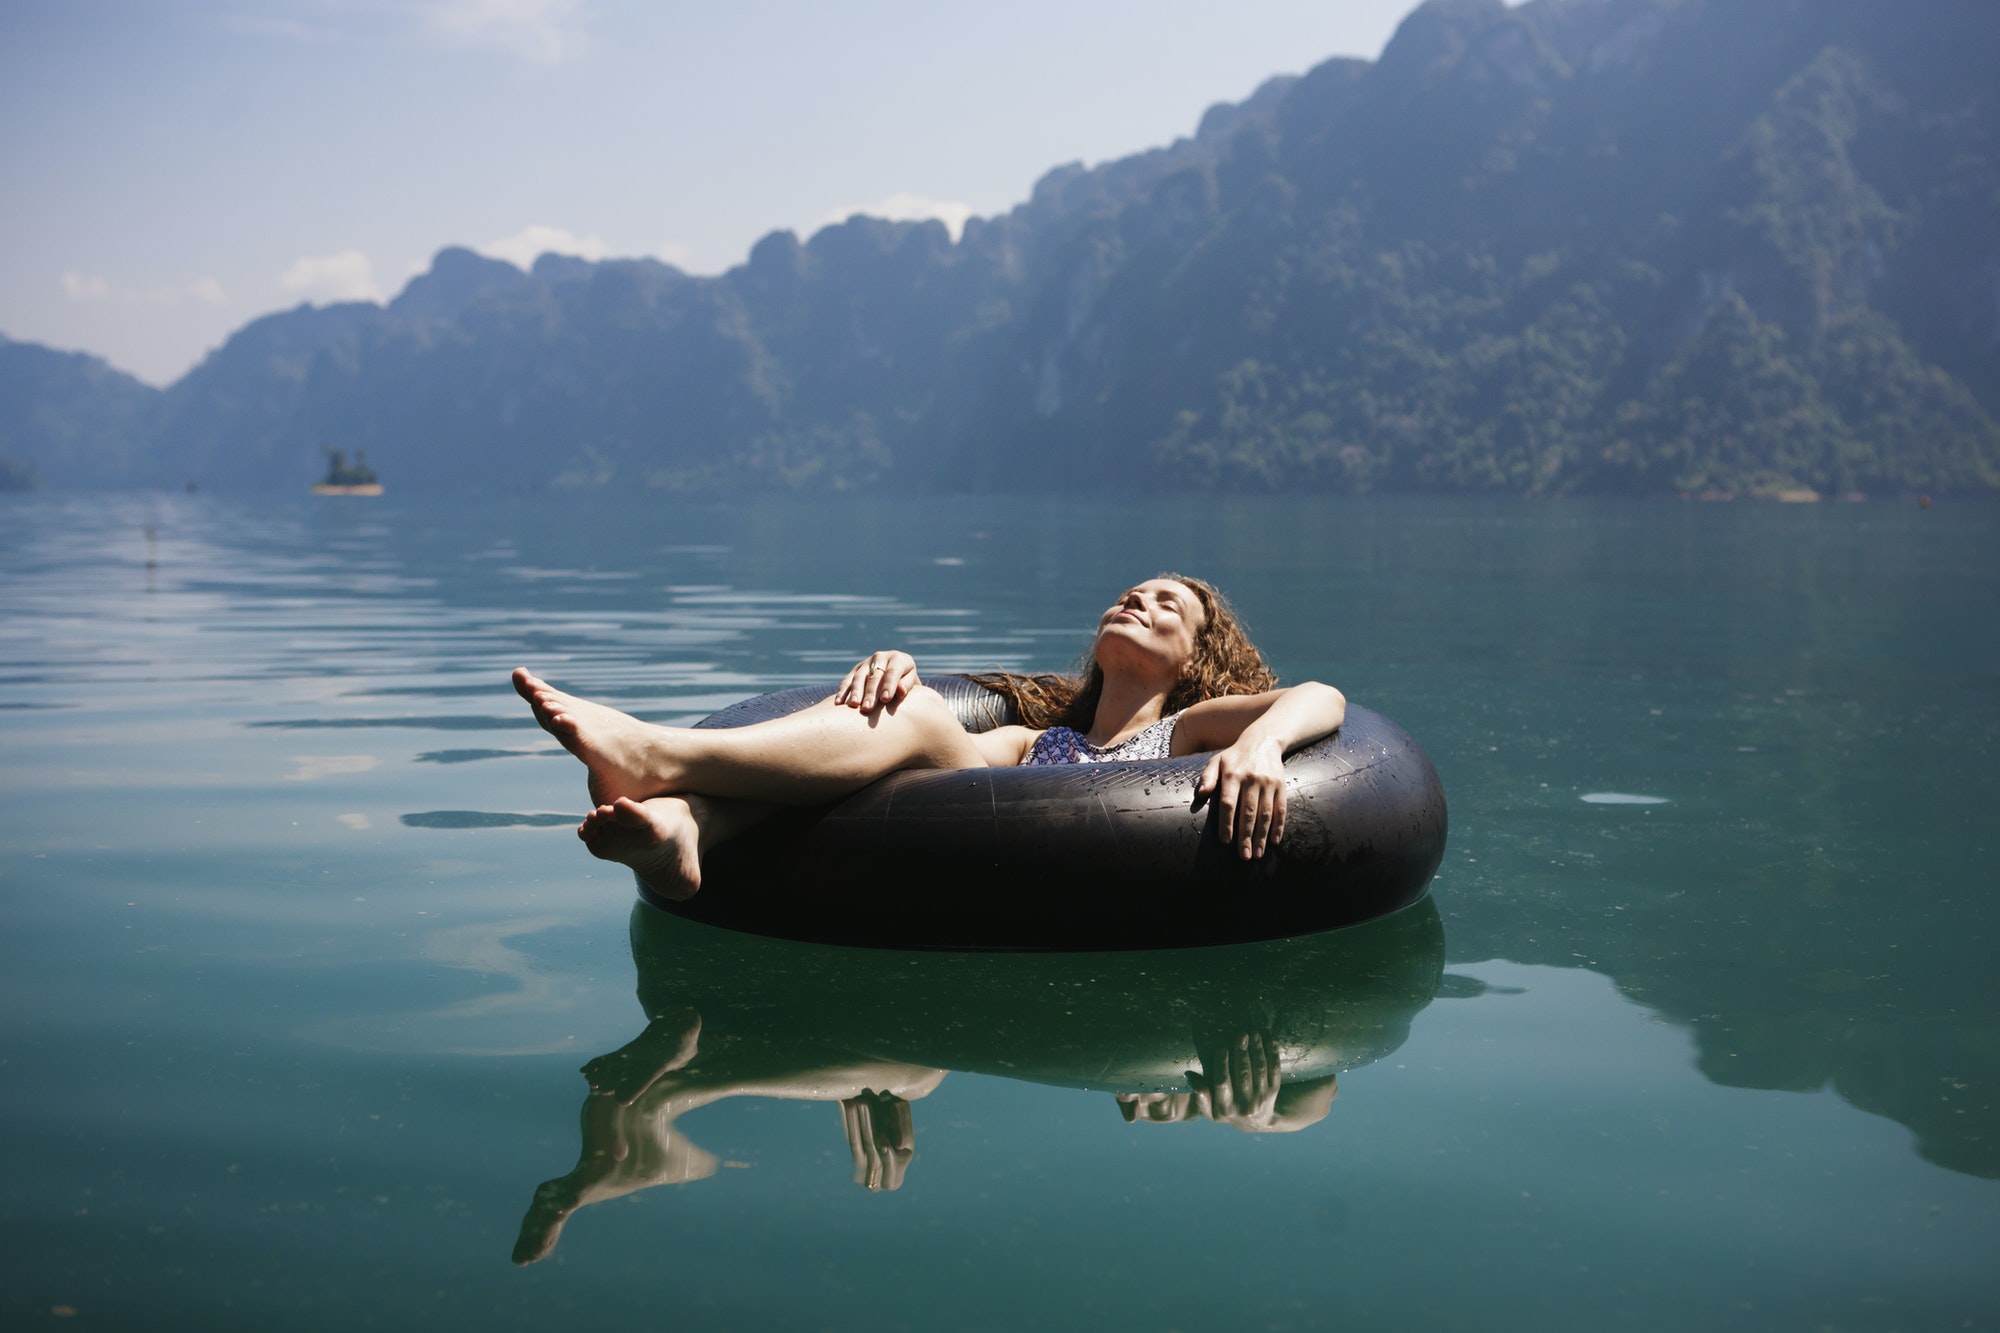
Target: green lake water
{"points": [[299, 958]]}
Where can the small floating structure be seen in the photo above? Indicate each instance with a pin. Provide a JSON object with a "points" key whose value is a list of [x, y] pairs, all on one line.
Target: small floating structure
{"points": [[344, 478]]}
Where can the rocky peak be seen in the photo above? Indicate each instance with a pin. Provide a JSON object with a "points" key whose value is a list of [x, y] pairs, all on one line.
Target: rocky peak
{"points": [[457, 278]]}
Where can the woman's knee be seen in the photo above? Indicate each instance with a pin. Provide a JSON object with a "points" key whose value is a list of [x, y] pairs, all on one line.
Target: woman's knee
{"points": [[927, 713], [924, 707]]}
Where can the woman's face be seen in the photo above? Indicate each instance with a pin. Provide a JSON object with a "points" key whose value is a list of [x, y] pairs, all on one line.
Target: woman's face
{"points": [[1150, 629]]}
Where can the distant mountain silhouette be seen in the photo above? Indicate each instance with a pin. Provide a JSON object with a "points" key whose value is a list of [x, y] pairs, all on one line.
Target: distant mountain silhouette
{"points": [[1722, 246], [71, 420]]}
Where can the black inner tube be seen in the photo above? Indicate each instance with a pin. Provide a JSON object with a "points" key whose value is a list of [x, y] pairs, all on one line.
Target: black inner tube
{"points": [[1086, 856]]}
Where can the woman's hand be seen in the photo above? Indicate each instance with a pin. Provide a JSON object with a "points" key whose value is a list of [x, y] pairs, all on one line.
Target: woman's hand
{"points": [[881, 1136], [1247, 783], [878, 680], [1239, 1082]]}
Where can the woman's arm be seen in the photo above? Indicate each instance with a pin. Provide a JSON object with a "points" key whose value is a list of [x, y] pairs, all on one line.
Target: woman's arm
{"points": [[1292, 717], [1250, 734], [1004, 747]]}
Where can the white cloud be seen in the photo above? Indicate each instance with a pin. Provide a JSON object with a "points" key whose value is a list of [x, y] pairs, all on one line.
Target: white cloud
{"points": [[95, 287], [543, 30], [903, 206], [673, 252], [344, 276], [86, 287], [530, 243]]}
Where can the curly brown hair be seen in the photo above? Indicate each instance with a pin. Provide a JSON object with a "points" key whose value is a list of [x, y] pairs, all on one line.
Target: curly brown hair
{"points": [[1224, 662]]}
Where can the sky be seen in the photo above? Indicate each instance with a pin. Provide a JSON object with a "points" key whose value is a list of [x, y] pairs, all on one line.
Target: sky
{"points": [[171, 169]]}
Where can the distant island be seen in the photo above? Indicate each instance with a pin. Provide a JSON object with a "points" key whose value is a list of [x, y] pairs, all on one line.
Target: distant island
{"points": [[344, 478], [1710, 248]]}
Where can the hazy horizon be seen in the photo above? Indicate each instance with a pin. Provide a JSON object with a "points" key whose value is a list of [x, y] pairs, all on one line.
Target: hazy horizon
{"points": [[172, 175]]}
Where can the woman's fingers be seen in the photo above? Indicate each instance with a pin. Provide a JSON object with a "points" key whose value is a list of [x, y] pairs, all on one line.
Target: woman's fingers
{"points": [[904, 668], [1260, 834], [852, 684], [867, 685], [879, 680], [1228, 791], [1199, 1102], [895, 679], [1244, 1068], [1221, 1087], [1247, 800], [1260, 817], [1249, 805]]}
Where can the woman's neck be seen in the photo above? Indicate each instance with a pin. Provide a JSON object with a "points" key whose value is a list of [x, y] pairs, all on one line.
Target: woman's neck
{"points": [[1125, 706]]}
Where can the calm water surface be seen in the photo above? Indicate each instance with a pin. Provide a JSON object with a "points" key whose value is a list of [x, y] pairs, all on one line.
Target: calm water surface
{"points": [[299, 958]]}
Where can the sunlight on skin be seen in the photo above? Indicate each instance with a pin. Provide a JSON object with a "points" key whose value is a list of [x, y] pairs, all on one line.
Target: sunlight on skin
{"points": [[657, 838], [661, 793]]}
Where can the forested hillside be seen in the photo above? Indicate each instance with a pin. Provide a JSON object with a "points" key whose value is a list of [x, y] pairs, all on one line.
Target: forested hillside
{"points": [[1635, 246], [70, 421]]}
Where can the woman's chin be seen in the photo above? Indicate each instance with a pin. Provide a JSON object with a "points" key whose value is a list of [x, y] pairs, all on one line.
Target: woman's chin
{"points": [[1124, 654]]}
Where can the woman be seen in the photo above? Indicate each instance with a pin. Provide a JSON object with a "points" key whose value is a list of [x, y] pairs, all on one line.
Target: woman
{"points": [[1170, 673]]}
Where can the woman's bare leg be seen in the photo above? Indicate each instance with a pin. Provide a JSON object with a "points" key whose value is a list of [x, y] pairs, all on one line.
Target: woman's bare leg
{"points": [[817, 754], [663, 838]]}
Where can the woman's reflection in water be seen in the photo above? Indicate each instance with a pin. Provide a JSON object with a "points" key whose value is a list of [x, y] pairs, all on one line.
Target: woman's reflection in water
{"points": [[630, 1141], [1240, 1084], [1250, 1036]]}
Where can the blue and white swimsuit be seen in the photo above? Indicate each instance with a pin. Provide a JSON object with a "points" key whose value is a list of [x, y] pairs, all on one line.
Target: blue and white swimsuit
{"points": [[1061, 745]]}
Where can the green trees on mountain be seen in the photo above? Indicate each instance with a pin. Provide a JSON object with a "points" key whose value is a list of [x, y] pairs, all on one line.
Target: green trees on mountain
{"points": [[1742, 345]]}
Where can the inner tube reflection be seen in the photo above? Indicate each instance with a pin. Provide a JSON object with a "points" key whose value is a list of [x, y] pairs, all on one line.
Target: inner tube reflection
{"points": [[1253, 1036]]}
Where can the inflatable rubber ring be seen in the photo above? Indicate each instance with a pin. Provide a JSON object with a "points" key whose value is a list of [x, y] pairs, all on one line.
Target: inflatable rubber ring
{"points": [[1077, 856]]}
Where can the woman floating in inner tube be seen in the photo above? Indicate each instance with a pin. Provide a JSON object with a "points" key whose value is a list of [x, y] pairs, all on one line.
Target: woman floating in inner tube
{"points": [[1170, 673]]}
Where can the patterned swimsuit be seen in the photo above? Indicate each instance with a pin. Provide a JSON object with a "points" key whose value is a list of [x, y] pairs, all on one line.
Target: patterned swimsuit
{"points": [[1060, 745]]}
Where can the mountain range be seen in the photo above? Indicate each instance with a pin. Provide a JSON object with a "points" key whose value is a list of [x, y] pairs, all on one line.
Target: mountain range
{"points": [[1721, 247]]}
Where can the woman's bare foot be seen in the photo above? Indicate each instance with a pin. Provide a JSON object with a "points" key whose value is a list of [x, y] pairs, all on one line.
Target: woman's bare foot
{"points": [[624, 755], [658, 838]]}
